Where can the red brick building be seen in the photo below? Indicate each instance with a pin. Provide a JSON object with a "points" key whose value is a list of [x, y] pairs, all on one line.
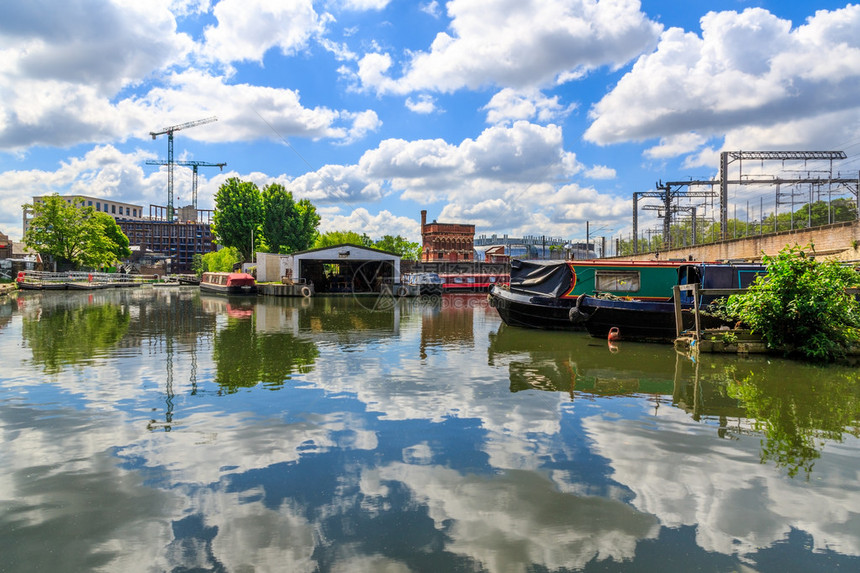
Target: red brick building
{"points": [[446, 242], [5, 247]]}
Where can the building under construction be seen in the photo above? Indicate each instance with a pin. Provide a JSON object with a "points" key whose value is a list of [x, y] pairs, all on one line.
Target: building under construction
{"points": [[175, 242]]}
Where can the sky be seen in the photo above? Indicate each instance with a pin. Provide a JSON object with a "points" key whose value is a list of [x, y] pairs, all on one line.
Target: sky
{"points": [[522, 117]]}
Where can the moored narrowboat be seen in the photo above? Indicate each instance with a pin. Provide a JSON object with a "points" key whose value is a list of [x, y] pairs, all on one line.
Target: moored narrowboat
{"points": [[427, 284], [541, 294], [228, 283]]}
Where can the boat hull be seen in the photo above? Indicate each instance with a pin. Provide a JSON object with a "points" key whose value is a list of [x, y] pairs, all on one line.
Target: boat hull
{"points": [[533, 311], [638, 320], [231, 290]]}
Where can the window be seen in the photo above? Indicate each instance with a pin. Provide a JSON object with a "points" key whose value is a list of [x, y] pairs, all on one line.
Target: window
{"points": [[135, 212], [98, 206], [89, 203], [616, 281], [113, 209]]}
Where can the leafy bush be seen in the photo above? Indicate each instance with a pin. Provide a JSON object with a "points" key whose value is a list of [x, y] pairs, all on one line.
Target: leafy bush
{"points": [[221, 260], [801, 306]]}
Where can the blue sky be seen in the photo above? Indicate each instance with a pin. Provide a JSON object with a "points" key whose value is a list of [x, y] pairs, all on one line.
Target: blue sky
{"points": [[521, 117]]}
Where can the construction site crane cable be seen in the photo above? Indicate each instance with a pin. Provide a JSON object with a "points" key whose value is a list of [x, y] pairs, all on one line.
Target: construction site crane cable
{"points": [[169, 131]]}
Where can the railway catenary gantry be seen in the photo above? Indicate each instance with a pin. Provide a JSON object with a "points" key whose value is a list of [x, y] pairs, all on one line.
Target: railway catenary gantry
{"points": [[669, 192]]}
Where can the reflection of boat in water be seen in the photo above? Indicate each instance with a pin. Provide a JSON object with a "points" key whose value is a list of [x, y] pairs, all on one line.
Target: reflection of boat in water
{"points": [[541, 294], [471, 282], [576, 364], [637, 319], [228, 283], [426, 283]]}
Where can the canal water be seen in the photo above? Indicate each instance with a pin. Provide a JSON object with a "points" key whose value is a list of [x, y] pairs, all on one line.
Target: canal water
{"points": [[158, 429]]}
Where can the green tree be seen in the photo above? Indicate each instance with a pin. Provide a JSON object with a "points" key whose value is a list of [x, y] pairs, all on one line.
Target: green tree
{"points": [[106, 244], [221, 260], [288, 226], [801, 306], [74, 234], [332, 238], [406, 249], [306, 227], [238, 216]]}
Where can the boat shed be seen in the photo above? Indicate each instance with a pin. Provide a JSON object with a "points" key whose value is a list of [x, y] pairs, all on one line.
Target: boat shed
{"points": [[344, 268]]}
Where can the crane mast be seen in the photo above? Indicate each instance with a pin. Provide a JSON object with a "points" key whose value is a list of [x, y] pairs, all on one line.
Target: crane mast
{"points": [[194, 165], [169, 131]]}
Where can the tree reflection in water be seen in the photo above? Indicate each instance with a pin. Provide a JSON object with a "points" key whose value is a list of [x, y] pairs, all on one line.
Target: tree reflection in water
{"points": [[72, 335], [799, 414], [245, 358]]}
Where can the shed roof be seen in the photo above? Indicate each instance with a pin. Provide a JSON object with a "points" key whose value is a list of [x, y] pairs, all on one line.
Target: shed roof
{"points": [[349, 246]]}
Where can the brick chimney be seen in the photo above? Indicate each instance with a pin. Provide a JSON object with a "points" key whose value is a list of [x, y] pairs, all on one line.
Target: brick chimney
{"points": [[423, 219]]}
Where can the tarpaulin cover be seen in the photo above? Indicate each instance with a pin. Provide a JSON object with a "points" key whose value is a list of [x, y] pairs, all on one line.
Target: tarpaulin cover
{"points": [[548, 278]]}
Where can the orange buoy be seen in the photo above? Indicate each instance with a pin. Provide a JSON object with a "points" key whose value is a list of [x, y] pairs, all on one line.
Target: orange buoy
{"points": [[614, 334]]}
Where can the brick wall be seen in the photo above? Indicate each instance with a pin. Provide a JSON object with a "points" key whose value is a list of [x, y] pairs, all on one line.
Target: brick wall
{"points": [[839, 241]]}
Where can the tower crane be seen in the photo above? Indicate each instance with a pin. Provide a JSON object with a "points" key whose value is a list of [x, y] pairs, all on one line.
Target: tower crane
{"points": [[169, 131], [194, 165]]}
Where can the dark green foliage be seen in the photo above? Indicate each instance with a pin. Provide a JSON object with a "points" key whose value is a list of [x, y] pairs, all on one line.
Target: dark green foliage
{"points": [[288, 226], [399, 245], [332, 238], [238, 214], [801, 305], [272, 220]]}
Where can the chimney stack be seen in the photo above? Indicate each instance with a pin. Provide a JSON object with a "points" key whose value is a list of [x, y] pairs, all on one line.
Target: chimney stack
{"points": [[423, 219]]}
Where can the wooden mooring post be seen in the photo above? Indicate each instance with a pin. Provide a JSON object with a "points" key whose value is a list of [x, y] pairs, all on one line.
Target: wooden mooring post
{"points": [[697, 292]]}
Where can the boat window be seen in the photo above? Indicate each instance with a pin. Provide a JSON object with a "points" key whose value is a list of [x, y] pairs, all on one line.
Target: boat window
{"points": [[616, 281]]}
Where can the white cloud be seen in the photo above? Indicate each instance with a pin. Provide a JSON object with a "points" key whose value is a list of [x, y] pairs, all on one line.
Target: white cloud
{"points": [[600, 172], [68, 42], [424, 104], [362, 5], [675, 145], [376, 226], [58, 83], [431, 8], [187, 7], [518, 44], [338, 185], [747, 71], [247, 29], [510, 105]]}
